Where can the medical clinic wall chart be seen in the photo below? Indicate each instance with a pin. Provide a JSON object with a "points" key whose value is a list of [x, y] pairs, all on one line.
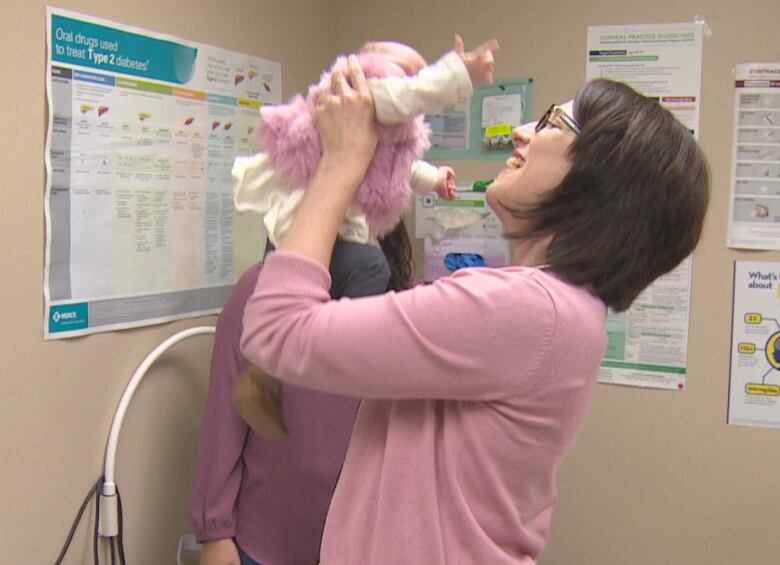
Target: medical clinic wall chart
{"points": [[142, 132]]}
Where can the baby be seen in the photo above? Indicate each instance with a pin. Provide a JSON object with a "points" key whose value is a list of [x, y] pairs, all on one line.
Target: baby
{"points": [[272, 182]]}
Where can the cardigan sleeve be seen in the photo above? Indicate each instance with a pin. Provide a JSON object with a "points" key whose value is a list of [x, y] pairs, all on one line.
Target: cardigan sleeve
{"points": [[219, 466], [480, 334]]}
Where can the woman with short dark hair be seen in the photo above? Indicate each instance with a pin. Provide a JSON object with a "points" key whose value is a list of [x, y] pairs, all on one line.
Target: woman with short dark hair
{"points": [[474, 388], [632, 205]]}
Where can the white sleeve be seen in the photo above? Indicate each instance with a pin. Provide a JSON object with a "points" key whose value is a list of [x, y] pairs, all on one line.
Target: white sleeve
{"points": [[253, 180], [256, 186], [424, 177], [398, 99]]}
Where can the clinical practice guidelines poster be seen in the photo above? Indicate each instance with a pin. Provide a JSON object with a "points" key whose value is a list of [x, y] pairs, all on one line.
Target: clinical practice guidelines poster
{"points": [[648, 344], [142, 132]]}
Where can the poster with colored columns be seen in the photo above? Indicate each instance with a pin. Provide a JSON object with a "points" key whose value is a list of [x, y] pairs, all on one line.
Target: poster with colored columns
{"points": [[754, 378], [142, 132]]}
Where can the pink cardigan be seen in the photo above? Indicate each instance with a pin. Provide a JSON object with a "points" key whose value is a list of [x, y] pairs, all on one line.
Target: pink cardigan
{"points": [[474, 390]]}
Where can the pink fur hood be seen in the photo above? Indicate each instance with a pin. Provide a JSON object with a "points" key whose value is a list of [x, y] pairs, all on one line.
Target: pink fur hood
{"points": [[288, 135]]}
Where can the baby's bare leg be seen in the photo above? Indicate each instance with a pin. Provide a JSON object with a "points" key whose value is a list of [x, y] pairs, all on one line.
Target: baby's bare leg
{"points": [[258, 399]]}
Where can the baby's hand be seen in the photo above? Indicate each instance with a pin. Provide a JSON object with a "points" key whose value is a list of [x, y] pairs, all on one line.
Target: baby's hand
{"points": [[445, 183], [479, 62]]}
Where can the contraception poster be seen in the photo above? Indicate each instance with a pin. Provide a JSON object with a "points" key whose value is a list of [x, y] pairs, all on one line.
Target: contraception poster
{"points": [[754, 214], [647, 345], [754, 378], [142, 132]]}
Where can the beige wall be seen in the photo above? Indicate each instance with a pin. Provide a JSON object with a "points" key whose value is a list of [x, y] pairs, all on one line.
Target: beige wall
{"points": [[58, 398], [657, 477]]}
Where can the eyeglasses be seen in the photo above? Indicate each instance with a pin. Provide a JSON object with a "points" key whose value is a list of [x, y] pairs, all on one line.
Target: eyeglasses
{"points": [[555, 112]]}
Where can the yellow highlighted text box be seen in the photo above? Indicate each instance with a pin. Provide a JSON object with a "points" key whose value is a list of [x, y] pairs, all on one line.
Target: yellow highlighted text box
{"points": [[746, 347], [753, 318], [762, 390]]}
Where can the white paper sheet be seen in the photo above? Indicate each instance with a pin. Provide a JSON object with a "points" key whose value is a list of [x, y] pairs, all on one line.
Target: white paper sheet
{"points": [[754, 211]]}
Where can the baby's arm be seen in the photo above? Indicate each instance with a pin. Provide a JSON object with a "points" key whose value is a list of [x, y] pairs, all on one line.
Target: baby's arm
{"points": [[398, 99], [427, 177], [448, 80]]}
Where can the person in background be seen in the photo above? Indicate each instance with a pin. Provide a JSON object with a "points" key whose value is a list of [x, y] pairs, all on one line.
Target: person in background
{"points": [[256, 500]]}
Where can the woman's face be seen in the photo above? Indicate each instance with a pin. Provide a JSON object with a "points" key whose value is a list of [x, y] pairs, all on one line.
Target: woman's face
{"points": [[539, 162]]}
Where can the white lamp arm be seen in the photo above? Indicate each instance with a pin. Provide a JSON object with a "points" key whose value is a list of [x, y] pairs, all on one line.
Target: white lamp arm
{"points": [[109, 525]]}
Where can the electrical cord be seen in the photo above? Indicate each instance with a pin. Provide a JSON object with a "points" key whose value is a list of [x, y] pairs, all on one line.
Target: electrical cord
{"points": [[73, 527], [116, 539], [120, 537], [95, 534], [117, 548]]}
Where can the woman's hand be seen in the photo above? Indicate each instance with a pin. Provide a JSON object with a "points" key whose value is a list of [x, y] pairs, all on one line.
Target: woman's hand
{"points": [[345, 121], [219, 552]]}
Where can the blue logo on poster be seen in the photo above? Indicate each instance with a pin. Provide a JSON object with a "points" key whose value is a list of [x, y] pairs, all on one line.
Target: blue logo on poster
{"points": [[68, 317]]}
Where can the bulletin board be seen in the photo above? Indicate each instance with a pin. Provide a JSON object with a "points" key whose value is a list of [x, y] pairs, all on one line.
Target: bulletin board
{"points": [[480, 128]]}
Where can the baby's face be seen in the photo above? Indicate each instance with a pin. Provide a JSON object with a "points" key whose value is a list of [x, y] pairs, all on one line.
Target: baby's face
{"points": [[409, 60]]}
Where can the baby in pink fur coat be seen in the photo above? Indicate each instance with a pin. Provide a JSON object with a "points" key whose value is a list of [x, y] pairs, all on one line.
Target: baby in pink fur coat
{"points": [[272, 182]]}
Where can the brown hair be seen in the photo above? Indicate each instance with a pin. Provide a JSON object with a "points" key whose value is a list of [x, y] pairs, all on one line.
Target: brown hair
{"points": [[632, 206], [398, 250]]}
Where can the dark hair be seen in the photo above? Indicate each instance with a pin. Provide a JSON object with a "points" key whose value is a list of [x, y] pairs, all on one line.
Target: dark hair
{"points": [[398, 250], [632, 206]]}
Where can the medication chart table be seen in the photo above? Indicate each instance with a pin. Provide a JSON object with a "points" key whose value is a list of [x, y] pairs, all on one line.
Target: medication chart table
{"points": [[142, 136]]}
